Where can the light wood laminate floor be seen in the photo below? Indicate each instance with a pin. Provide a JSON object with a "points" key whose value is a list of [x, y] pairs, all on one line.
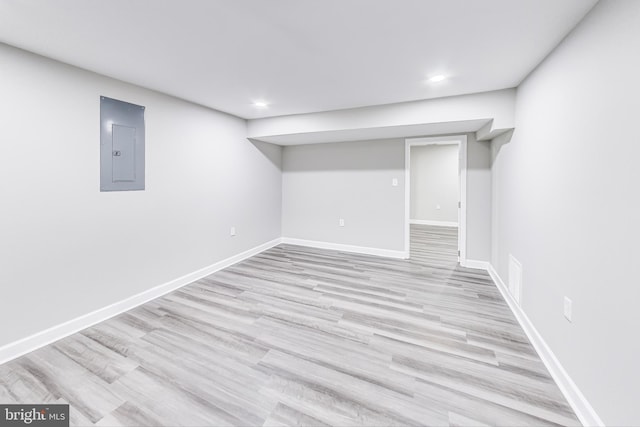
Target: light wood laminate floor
{"points": [[299, 336]]}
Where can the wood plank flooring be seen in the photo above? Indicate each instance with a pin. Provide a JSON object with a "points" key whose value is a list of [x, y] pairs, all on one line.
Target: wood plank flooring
{"points": [[300, 336]]}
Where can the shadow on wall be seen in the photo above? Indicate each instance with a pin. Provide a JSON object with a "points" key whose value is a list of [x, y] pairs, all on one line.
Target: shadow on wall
{"points": [[270, 151], [384, 154], [498, 142]]}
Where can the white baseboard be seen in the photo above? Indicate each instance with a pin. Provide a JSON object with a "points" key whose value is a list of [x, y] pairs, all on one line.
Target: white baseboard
{"points": [[471, 263], [26, 345], [435, 223], [583, 409], [346, 248]]}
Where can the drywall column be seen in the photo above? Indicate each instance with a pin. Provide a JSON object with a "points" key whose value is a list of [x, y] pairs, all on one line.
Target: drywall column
{"points": [[478, 199]]}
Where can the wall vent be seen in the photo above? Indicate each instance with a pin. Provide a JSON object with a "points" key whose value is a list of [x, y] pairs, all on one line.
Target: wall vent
{"points": [[515, 279]]}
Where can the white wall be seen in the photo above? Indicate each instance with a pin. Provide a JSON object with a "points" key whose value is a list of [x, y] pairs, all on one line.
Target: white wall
{"points": [[435, 183], [479, 216], [67, 249], [351, 180], [566, 205]]}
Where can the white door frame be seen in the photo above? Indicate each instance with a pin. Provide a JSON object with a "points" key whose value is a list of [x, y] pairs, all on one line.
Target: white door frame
{"points": [[461, 141]]}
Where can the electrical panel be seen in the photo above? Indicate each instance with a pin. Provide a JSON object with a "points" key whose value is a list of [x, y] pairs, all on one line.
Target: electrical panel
{"points": [[121, 145]]}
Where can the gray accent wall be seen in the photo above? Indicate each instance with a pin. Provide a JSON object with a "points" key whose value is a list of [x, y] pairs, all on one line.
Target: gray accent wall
{"points": [[66, 249], [435, 182], [322, 183], [350, 180], [566, 205]]}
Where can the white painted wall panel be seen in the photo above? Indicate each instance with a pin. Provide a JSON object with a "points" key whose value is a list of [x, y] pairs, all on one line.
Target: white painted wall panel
{"points": [[566, 205], [351, 180], [67, 249]]}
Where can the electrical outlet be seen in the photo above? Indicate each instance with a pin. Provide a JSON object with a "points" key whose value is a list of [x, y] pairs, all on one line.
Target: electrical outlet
{"points": [[568, 308], [394, 182], [341, 222], [438, 207], [233, 231]]}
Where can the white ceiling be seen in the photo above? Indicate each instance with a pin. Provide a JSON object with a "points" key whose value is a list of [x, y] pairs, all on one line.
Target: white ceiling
{"points": [[301, 56]]}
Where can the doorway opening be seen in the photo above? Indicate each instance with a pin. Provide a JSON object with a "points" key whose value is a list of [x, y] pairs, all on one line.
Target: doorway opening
{"points": [[435, 198]]}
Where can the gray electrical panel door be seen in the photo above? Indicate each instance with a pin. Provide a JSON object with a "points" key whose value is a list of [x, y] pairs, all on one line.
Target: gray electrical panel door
{"points": [[121, 145]]}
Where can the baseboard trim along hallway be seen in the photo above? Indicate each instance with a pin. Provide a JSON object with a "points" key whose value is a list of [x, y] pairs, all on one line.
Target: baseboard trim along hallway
{"points": [[579, 403], [346, 248], [471, 263], [40, 339]]}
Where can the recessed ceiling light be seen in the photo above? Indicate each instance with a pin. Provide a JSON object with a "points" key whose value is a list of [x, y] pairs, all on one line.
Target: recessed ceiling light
{"points": [[437, 78], [261, 104]]}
